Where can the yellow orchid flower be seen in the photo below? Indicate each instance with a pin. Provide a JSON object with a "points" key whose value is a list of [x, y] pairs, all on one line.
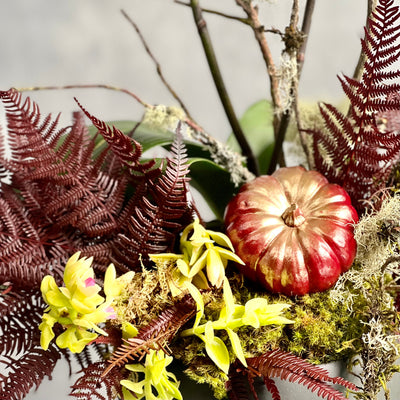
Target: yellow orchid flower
{"points": [[78, 307]]}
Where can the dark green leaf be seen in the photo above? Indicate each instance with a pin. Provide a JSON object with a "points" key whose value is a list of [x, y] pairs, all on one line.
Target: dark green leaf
{"points": [[213, 183], [257, 125]]}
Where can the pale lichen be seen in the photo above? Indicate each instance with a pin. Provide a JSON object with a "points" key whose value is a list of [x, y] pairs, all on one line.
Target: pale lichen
{"points": [[166, 118], [374, 278]]}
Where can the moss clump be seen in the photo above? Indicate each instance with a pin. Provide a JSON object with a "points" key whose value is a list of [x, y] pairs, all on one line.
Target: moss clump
{"points": [[323, 331], [144, 298]]}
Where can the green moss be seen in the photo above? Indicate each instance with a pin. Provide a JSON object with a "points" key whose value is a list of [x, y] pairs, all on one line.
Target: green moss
{"points": [[146, 296], [208, 373], [323, 331]]}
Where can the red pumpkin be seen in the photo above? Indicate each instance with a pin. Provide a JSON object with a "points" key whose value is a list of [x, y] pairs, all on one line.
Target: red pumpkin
{"points": [[293, 230]]}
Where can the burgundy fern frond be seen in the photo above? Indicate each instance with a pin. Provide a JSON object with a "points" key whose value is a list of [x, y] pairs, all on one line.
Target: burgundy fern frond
{"points": [[25, 362], [20, 307], [159, 215], [28, 372], [272, 388], [95, 385], [353, 150], [155, 335], [127, 149], [240, 383], [65, 181], [280, 364]]}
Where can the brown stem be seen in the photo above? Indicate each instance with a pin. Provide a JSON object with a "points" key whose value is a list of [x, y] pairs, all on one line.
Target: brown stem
{"points": [[258, 30], [277, 155], [219, 13], [305, 28], [157, 64], [362, 58], [293, 216], [220, 86], [86, 86]]}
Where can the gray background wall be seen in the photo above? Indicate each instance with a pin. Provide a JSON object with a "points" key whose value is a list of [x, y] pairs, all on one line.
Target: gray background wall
{"points": [[47, 42]]}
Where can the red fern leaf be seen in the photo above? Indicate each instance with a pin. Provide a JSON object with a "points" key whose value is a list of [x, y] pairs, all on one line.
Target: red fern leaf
{"points": [[94, 385], [158, 215], [26, 362], [127, 149], [154, 336], [358, 155], [286, 366]]}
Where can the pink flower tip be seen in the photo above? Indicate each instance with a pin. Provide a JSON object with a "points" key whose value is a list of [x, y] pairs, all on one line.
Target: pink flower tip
{"points": [[89, 282], [111, 313]]}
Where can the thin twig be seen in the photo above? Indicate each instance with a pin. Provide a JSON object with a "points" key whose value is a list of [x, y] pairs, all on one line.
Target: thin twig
{"points": [[220, 86], [306, 26], [305, 29], [362, 58], [157, 64], [258, 30], [86, 86], [280, 136], [215, 12], [292, 49]]}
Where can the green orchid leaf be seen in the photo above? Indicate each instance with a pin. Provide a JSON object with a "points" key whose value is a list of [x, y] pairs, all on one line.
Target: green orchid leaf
{"points": [[221, 239], [257, 125], [183, 267], [198, 265], [198, 298], [259, 313], [215, 267], [212, 181], [135, 387], [236, 346], [228, 255], [228, 299], [216, 349], [135, 367], [214, 184]]}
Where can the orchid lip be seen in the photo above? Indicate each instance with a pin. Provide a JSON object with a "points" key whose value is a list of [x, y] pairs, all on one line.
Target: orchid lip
{"points": [[89, 282]]}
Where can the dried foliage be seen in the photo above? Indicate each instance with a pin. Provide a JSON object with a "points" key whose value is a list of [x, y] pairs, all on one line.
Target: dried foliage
{"points": [[24, 363], [159, 213], [357, 151], [94, 385], [285, 366], [62, 197], [156, 335]]}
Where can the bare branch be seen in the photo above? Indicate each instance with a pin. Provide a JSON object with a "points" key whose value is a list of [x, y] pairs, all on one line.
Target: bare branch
{"points": [[86, 86], [220, 86], [157, 64], [219, 13], [258, 30], [306, 26]]}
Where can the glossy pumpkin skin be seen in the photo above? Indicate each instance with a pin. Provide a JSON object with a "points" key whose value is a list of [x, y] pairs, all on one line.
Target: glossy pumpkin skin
{"points": [[293, 230]]}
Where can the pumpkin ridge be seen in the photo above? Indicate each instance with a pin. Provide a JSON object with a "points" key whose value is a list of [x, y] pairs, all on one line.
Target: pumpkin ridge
{"points": [[297, 259], [311, 269], [263, 255]]}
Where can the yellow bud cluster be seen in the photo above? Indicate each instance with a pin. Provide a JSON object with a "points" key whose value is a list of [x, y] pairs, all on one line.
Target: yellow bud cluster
{"points": [[78, 307], [205, 254]]}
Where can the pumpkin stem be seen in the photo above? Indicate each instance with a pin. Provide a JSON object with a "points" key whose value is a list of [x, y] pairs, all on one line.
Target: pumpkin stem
{"points": [[293, 216]]}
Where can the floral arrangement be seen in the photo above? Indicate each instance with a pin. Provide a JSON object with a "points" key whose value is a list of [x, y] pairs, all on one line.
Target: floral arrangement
{"points": [[103, 248]]}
